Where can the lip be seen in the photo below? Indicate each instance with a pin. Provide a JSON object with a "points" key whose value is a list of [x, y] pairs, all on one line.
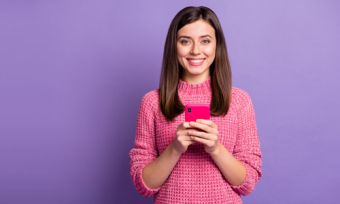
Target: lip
{"points": [[195, 61]]}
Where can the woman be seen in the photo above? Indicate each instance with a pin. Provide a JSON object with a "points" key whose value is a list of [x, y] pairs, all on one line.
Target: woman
{"points": [[204, 161]]}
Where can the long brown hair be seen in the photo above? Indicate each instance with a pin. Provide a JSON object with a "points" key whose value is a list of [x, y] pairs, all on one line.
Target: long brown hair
{"points": [[220, 71]]}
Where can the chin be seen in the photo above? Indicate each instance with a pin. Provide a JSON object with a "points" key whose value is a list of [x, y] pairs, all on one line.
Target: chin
{"points": [[196, 70]]}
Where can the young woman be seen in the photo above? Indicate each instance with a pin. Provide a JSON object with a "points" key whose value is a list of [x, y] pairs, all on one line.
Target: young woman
{"points": [[204, 161]]}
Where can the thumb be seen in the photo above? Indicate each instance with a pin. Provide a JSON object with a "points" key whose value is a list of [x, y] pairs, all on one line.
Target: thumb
{"points": [[186, 125]]}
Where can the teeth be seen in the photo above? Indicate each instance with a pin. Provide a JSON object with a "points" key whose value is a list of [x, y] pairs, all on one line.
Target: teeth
{"points": [[196, 61]]}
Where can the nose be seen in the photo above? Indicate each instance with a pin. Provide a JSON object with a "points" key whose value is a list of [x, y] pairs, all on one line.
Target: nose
{"points": [[195, 49]]}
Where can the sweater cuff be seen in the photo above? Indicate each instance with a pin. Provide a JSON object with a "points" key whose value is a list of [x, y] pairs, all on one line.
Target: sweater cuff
{"points": [[248, 183], [142, 187]]}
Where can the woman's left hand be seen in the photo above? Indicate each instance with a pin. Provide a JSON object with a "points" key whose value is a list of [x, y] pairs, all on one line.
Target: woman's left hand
{"points": [[208, 136]]}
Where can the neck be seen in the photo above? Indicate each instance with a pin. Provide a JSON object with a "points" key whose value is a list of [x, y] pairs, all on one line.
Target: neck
{"points": [[194, 88]]}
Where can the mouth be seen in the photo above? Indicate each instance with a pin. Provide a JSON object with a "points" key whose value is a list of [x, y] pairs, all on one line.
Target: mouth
{"points": [[195, 61]]}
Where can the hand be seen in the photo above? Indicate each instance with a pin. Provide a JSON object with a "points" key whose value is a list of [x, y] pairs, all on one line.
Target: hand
{"points": [[208, 136], [182, 140]]}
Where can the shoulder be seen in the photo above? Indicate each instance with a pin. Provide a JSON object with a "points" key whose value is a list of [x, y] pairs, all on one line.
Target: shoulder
{"points": [[240, 97], [150, 99]]}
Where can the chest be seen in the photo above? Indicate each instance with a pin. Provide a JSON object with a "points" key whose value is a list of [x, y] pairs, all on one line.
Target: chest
{"points": [[227, 128]]}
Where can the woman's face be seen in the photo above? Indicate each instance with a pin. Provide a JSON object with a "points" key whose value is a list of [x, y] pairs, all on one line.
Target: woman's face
{"points": [[196, 46]]}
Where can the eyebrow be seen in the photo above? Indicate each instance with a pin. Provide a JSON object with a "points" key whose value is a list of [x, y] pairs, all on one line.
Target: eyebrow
{"points": [[203, 36]]}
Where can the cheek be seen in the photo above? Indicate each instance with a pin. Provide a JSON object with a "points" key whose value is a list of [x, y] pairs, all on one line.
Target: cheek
{"points": [[182, 51], [210, 51]]}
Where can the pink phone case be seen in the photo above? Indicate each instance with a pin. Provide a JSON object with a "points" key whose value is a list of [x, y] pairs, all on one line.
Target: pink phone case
{"points": [[194, 112]]}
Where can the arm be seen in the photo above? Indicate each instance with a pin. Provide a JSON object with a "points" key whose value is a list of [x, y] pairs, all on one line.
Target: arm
{"points": [[247, 148], [242, 167], [148, 169], [232, 169], [144, 150], [156, 173]]}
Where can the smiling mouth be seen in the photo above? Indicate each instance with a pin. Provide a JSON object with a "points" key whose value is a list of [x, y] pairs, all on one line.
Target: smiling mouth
{"points": [[195, 61]]}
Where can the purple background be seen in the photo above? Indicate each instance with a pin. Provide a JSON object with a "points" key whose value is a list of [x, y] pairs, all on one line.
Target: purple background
{"points": [[72, 74]]}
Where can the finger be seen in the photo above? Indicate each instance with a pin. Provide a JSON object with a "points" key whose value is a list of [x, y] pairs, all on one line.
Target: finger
{"points": [[186, 125], [184, 138], [203, 135], [189, 142], [183, 132], [203, 127], [207, 122], [203, 141], [183, 125]]}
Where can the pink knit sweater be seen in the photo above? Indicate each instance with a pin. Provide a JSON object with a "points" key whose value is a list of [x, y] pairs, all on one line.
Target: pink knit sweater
{"points": [[196, 178]]}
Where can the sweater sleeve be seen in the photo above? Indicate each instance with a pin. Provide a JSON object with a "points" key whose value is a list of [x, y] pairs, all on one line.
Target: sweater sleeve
{"points": [[247, 148], [144, 150]]}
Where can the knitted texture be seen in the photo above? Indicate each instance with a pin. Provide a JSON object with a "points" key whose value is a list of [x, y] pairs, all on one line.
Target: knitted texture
{"points": [[196, 178]]}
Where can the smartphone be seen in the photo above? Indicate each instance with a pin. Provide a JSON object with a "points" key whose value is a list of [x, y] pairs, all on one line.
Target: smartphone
{"points": [[196, 111]]}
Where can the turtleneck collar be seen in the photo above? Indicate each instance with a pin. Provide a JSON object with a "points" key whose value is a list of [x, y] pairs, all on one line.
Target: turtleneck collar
{"points": [[201, 87]]}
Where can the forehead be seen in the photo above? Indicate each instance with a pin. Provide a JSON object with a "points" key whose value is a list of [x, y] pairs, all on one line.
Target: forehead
{"points": [[196, 29]]}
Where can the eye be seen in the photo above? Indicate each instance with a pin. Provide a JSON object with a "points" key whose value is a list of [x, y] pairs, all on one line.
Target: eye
{"points": [[184, 42], [205, 41]]}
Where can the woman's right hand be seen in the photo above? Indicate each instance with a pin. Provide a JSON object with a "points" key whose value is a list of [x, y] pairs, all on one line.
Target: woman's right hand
{"points": [[182, 140]]}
